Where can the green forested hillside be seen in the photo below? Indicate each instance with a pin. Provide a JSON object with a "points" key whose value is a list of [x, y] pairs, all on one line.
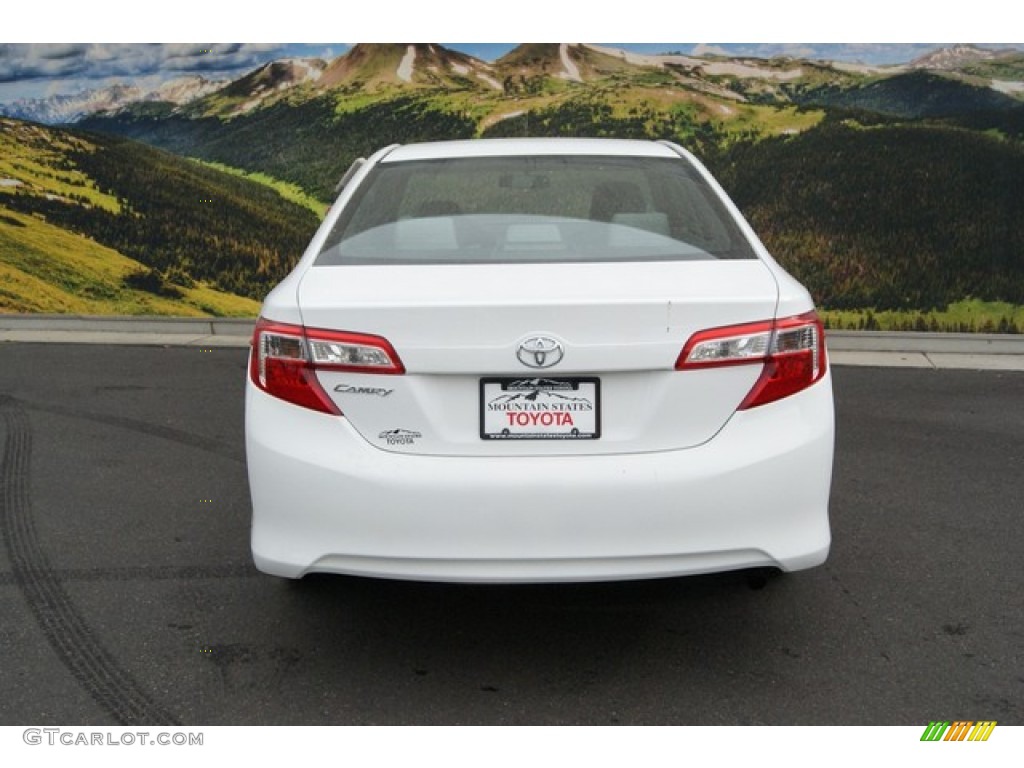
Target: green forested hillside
{"points": [[183, 221], [911, 95], [45, 268], [309, 144], [107, 222], [891, 216]]}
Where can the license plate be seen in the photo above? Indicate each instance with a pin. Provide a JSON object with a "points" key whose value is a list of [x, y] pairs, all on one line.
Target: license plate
{"points": [[540, 409]]}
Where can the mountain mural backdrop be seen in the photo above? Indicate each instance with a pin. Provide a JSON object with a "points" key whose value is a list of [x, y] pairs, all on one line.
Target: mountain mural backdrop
{"points": [[891, 191]]}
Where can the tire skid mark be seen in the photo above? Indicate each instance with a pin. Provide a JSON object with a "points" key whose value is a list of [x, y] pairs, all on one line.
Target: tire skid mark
{"points": [[145, 573], [62, 624], [136, 425]]}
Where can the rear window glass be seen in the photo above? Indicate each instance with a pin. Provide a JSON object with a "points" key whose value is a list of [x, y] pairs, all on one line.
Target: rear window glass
{"points": [[533, 209]]}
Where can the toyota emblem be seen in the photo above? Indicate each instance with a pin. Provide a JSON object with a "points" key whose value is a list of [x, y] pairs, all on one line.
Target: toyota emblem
{"points": [[540, 352]]}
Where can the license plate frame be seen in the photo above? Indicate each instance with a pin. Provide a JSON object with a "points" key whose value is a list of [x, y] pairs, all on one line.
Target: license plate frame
{"points": [[552, 408]]}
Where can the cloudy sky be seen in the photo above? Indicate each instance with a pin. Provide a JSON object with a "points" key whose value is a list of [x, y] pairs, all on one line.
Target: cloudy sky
{"points": [[37, 70], [34, 70]]}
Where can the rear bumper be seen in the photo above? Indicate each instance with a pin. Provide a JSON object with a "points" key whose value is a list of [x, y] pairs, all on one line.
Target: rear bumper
{"points": [[326, 500]]}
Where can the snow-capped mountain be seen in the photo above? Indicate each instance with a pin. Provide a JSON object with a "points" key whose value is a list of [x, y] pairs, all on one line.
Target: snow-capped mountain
{"points": [[954, 57], [262, 85], [68, 108], [408, 64], [182, 90]]}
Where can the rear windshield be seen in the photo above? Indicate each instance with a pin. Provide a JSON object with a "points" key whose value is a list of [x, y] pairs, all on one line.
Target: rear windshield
{"points": [[533, 209]]}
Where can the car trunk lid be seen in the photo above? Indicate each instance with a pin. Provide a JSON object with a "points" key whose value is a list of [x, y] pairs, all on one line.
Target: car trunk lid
{"points": [[464, 333]]}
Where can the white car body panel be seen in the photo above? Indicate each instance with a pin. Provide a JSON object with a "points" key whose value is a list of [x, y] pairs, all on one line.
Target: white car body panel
{"points": [[547, 519], [431, 150]]}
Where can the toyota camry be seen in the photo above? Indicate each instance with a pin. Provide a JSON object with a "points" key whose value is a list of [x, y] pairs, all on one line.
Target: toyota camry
{"points": [[532, 360]]}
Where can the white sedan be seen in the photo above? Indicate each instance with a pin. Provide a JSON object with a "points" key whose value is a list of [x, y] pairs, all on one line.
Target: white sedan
{"points": [[537, 360]]}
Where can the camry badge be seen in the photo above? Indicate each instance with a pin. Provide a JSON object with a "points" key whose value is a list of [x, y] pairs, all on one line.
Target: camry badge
{"points": [[349, 389], [540, 352]]}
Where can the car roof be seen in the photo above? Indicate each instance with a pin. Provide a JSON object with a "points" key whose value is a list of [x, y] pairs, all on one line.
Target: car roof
{"points": [[437, 150]]}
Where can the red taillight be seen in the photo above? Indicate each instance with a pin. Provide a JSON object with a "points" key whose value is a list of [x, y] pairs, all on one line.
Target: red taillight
{"points": [[285, 359], [792, 351]]}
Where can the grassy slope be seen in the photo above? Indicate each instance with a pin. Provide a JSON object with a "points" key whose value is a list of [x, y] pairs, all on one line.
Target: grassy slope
{"points": [[966, 316], [1004, 67], [287, 190], [67, 201], [44, 268], [36, 157]]}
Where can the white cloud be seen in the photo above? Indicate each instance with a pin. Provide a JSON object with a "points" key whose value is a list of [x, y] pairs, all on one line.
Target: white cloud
{"points": [[95, 61]]}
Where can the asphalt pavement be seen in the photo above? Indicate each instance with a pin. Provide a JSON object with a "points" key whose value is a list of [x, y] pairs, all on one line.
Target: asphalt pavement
{"points": [[129, 597]]}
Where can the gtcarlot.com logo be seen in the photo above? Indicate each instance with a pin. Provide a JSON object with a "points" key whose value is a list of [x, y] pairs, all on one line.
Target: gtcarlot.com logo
{"points": [[69, 738], [958, 730]]}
